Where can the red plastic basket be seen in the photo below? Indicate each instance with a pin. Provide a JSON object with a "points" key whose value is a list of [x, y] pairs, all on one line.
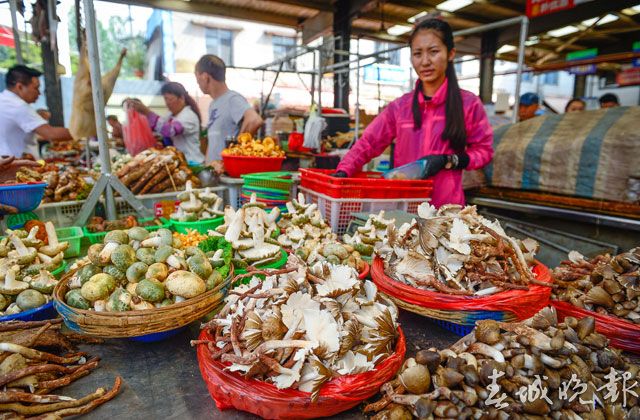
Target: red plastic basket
{"points": [[237, 166], [364, 185]]}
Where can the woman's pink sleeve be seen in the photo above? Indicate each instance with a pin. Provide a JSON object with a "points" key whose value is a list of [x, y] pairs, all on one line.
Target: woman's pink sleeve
{"points": [[374, 140], [479, 137]]}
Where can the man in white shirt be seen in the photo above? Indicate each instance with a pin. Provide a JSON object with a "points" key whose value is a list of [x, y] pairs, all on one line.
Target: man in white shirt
{"points": [[19, 122], [229, 112]]}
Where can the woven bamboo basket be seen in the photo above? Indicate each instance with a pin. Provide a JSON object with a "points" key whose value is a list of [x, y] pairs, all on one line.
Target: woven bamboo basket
{"points": [[462, 312], [137, 323]]}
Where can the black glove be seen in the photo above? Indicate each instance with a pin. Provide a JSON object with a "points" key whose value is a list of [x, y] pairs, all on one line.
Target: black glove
{"points": [[436, 163], [339, 174]]}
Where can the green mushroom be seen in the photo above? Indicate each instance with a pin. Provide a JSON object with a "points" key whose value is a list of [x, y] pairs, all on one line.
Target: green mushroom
{"points": [[200, 265], [146, 255], [214, 279], [138, 233], [123, 256], [117, 236], [88, 271], [98, 287], [165, 302], [163, 253], [115, 272], [158, 271], [159, 238], [136, 271], [30, 299], [364, 249], [94, 254], [151, 290], [74, 298], [119, 301], [4, 302], [44, 282]]}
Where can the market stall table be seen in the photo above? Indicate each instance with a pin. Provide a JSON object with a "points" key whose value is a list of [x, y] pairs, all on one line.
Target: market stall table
{"points": [[162, 380]]}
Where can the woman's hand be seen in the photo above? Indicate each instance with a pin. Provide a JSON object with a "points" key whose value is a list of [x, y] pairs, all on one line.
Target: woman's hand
{"points": [[434, 164], [339, 174]]}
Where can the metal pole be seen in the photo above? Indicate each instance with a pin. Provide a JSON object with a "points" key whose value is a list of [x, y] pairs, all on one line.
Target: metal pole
{"points": [[524, 29], [355, 137], [320, 82], [98, 101], [16, 35]]}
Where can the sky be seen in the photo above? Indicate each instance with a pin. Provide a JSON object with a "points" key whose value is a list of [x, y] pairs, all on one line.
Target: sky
{"points": [[104, 10]]}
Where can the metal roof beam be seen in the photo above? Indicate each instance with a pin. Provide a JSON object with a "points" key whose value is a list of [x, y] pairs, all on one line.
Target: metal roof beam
{"points": [[201, 7], [566, 17]]}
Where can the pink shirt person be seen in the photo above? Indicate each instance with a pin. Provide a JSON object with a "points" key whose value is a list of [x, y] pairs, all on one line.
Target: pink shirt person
{"points": [[396, 123]]}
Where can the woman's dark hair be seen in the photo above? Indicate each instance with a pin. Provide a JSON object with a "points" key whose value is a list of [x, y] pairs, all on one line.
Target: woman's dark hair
{"points": [[454, 129], [176, 89], [566, 108]]}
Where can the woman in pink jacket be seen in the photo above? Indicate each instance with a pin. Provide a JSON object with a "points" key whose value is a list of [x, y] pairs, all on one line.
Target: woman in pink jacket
{"points": [[437, 122]]}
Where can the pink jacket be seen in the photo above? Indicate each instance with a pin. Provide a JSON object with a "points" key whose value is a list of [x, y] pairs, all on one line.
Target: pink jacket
{"points": [[396, 123]]}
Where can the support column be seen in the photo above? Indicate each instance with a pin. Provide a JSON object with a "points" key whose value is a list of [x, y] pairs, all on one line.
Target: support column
{"points": [[52, 90], [580, 86], [488, 47], [342, 31]]}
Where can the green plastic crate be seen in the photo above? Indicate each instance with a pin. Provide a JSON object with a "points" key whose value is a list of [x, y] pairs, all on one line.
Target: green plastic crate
{"points": [[97, 238], [202, 226], [58, 272], [281, 181], [73, 235], [284, 257]]}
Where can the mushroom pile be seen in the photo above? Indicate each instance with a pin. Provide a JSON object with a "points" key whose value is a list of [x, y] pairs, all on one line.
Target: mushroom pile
{"points": [[251, 231], [29, 375], [26, 262], [301, 223], [63, 183], [197, 205], [372, 234], [455, 250], [333, 252], [539, 368], [301, 327], [137, 270], [604, 284]]}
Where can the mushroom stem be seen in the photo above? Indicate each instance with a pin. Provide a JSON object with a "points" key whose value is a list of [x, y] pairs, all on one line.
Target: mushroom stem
{"points": [[486, 350], [52, 237], [19, 245], [550, 361]]}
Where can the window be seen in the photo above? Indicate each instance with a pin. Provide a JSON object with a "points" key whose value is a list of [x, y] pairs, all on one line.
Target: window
{"points": [[551, 78], [283, 45], [392, 57], [458, 67], [220, 43], [527, 77]]}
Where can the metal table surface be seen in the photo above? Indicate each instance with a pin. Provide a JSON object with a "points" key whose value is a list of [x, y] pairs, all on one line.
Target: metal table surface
{"points": [[162, 380]]}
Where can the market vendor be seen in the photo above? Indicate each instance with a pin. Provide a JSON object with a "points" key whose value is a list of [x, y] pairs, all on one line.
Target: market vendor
{"points": [[229, 112], [181, 126], [438, 122], [19, 122]]}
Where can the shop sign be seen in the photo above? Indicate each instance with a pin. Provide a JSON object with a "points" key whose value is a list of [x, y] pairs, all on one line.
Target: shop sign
{"points": [[537, 8], [583, 55], [386, 74], [628, 77], [636, 49]]}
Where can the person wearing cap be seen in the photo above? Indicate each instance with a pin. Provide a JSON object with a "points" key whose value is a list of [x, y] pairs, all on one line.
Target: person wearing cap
{"points": [[439, 124], [609, 100], [529, 106], [19, 122]]}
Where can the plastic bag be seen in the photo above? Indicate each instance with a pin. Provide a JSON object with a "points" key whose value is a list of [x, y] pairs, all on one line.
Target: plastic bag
{"points": [[231, 390], [313, 131], [136, 133], [413, 170], [621, 333], [522, 303]]}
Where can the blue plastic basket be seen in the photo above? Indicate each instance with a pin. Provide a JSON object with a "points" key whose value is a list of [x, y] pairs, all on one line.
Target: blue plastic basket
{"points": [[46, 311], [159, 336], [24, 197], [470, 322]]}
